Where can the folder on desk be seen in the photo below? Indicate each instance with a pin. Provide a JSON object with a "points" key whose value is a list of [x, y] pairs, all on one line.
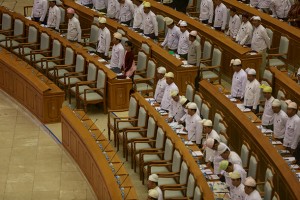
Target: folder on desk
{"points": [[197, 153]]}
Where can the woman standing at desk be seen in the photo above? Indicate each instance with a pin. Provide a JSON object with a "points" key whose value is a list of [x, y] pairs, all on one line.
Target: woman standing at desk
{"points": [[128, 67]]}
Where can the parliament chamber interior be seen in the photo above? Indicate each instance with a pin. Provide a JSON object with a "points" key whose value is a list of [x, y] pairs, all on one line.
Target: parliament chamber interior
{"points": [[165, 99]]}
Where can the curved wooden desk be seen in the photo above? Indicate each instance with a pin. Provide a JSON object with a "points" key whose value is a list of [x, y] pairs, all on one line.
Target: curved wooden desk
{"points": [[241, 128], [282, 81], [78, 141], [117, 89], [31, 88], [279, 28]]}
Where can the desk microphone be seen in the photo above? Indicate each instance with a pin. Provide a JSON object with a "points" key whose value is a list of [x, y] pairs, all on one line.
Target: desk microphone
{"points": [[106, 146], [92, 124], [119, 168], [100, 135]]}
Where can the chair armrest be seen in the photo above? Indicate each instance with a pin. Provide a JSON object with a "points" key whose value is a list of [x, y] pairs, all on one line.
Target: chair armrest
{"points": [[209, 67], [277, 54], [6, 31], [85, 83]]}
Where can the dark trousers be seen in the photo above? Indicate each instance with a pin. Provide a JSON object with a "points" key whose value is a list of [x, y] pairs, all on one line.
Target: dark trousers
{"points": [[218, 28], [183, 56], [152, 35], [37, 19], [205, 21], [89, 5], [127, 23]]}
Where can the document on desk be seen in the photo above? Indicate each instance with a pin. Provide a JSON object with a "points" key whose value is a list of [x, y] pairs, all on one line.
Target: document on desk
{"points": [[181, 131], [289, 159], [276, 142], [242, 107], [197, 153]]}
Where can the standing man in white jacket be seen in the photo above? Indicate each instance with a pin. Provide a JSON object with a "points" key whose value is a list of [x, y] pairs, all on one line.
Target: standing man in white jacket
{"points": [[244, 35], [239, 79], [149, 25], [138, 15], [54, 16], [206, 11], [267, 119], [220, 16], [100, 5], [104, 39], [172, 37], [161, 84], [74, 29], [171, 86], [280, 8], [126, 12], [39, 11], [252, 91], [234, 24], [183, 43]]}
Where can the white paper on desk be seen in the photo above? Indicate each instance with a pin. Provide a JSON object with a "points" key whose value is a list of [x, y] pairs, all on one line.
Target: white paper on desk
{"points": [[163, 113], [188, 143], [207, 171], [108, 66], [184, 62], [187, 65], [289, 159], [266, 130], [283, 151], [228, 96], [181, 131], [233, 100], [197, 153], [102, 60], [28, 18], [214, 177], [242, 107], [276, 142], [294, 166]]}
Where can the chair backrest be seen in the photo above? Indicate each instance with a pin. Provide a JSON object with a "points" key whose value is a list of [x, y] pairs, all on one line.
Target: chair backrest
{"points": [[253, 166], [245, 153], [62, 14], [168, 150], [151, 129], [216, 57], [205, 110], [45, 41], [189, 93], [141, 61], [18, 27], [218, 116], [198, 38], [160, 22], [160, 136], [123, 40], [133, 107], [32, 34], [92, 72], [142, 118], [69, 56], [146, 48], [94, 33], [269, 173], [80, 62], [197, 194], [184, 170], [151, 68], [198, 101], [281, 94], [268, 76], [283, 105], [56, 49], [276, 196], [270, 34], [177, 159], [190, 186], [6, 22], [101, 79], [268, 190], [120, 30], [284, 46], [224, 138], [207, 47]]}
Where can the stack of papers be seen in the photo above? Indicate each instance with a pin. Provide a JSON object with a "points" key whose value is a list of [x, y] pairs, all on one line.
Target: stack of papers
{"points": [[218, 187], [184, 62], [276, 142], [102, 60], [294, 166], [289, 159], [242, 108], [188, 143], [233, 99], [108, 66], [207, 171], [187, 65], [213, 177], [152, 101], [181, 131], [197, 153], [283, 151], [266, 131]]}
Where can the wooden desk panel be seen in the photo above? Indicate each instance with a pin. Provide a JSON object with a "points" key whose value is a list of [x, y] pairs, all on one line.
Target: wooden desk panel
{"points": [[241, 128], [279, 28], [43, 98], [281, 80], [77, 140]]}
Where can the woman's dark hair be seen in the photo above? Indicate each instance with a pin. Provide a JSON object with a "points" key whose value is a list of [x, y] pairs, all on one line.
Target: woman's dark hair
{"points": [[129, 44]]}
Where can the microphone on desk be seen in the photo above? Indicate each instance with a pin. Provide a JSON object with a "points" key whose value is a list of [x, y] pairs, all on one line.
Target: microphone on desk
{"points": [[119, 168], [92, 124], [106, 146]]}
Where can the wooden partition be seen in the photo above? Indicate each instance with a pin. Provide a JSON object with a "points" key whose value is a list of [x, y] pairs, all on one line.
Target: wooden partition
{"points": [[78, 141], [162, 57], [282, 81], [33, 90], [279, 28], [117, 89], [242, 129], [231, 50]]}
